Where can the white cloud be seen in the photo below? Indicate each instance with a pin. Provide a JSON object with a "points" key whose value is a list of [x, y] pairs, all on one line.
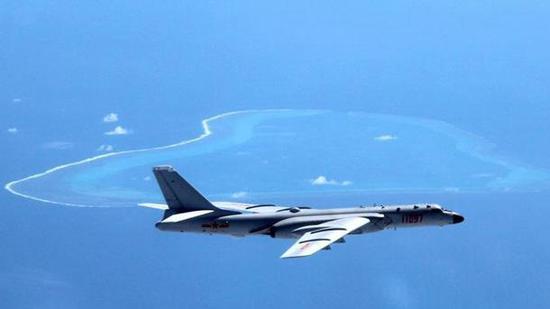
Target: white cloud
{"points": [[346, 183], [111, 117], [16, 100], [147, 178], [13, 130], [105, 148], [322, 181], [239, 194], [119, 130], [58, 145], [385, 138]]}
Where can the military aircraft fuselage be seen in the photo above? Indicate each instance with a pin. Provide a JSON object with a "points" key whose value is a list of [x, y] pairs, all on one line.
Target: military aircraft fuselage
{"points": [[283, 222], [186, 210]]}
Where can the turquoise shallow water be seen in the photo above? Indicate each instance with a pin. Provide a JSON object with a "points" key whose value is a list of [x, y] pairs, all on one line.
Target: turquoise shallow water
{"points": [[261, 154]]}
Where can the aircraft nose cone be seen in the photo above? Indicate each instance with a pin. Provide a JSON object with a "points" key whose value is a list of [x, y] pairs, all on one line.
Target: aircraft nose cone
{"points": [[457, 219]]}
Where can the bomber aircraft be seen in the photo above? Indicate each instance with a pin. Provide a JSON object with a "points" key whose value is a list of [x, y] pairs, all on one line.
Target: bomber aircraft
{"points": [[186, 210]]}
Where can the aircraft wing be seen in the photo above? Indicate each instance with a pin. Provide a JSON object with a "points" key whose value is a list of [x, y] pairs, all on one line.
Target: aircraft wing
{"points": [[322, 235]]}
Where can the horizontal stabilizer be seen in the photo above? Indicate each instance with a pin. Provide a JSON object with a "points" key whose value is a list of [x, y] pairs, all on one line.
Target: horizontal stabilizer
{"points": [[154, 205], [186, 216]]}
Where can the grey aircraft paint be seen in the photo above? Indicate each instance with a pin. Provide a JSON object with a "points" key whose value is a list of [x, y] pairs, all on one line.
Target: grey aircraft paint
{"points": [[186, 210]]}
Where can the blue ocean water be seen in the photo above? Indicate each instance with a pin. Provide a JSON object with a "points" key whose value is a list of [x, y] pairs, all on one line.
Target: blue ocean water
{"points": [[273, 153], [396, 102]]}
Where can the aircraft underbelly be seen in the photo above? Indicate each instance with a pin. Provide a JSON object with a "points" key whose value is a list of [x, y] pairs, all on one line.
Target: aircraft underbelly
{"points": [[236, 228]]}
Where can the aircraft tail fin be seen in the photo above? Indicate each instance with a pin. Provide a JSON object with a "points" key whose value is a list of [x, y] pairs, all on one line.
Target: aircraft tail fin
{"points": [[180, 196]]}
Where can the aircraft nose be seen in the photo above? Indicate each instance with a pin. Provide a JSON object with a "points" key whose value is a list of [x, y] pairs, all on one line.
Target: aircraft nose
{"points": [[457, 218]]}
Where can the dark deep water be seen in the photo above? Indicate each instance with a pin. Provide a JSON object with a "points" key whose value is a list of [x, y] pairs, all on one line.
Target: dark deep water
{"points": [[71, 257]]}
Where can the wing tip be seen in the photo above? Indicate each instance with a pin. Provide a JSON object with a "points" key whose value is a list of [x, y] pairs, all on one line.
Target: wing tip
{"points": [[163, 168], [284, 257], [293, 255]]}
